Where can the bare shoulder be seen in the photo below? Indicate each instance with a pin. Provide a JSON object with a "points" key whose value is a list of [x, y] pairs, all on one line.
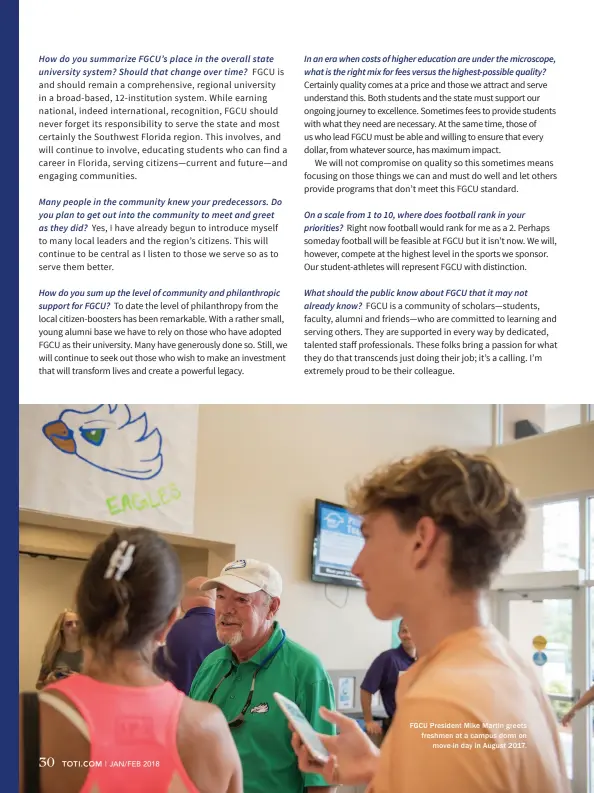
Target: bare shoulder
{"points": [[202, 718], [61, 741], [203, 733], [203, 715]]}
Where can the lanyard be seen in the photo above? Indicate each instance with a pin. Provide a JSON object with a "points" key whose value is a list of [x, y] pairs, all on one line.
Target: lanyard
{"points": [[271, 654], [260, 666]]}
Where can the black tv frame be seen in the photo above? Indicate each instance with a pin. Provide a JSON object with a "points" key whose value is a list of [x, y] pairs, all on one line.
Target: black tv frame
{"points": [[323, 579]]}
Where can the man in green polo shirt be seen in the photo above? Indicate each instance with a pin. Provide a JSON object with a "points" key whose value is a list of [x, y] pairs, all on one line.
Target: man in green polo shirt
{"points": [[257, 660]]}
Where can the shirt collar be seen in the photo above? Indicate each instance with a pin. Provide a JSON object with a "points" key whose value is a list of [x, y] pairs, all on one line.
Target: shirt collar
{"points": [[199, 610], [402, 652]]}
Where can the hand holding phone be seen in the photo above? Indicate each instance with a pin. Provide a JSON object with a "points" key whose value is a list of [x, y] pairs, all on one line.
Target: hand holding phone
{"points": [[304, 729], [348, 758]]}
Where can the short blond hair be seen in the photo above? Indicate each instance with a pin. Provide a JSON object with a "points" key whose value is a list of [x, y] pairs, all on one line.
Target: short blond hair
{"points": [[467, 497]]}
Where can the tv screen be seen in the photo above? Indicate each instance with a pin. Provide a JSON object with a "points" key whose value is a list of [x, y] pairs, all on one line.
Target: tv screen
{"points": [[337, 543]]}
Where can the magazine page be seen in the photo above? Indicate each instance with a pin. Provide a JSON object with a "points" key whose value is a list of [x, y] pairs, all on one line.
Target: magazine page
{"points": [[306, 427]]}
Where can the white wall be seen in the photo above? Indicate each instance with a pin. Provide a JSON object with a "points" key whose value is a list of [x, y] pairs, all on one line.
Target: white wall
{"points": [[260, 469], [548, 417], [550, 466]]}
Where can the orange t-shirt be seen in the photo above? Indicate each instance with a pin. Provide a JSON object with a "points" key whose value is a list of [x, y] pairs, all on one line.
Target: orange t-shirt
{"points": [[471, 718]]}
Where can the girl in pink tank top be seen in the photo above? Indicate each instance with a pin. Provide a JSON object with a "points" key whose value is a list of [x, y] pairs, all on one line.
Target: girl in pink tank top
{"points": [[118, 727], [132, 735]]}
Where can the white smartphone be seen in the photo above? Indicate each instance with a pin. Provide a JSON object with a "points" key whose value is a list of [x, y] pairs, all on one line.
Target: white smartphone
{"points": [[306, 732]]}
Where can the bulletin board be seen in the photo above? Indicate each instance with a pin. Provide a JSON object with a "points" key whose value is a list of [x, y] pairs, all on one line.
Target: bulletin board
{"points": [[124, 464]]}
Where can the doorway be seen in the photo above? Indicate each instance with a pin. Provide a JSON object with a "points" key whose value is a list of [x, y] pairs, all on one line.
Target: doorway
{"points": [[46, 587], [545, 627]]}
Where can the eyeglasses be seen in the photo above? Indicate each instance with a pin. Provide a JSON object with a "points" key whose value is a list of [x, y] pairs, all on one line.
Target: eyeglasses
{"points": [[238, 720]]}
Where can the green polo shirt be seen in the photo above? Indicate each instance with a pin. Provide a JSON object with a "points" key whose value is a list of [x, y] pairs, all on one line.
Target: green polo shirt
{"points": [[264, 740]]}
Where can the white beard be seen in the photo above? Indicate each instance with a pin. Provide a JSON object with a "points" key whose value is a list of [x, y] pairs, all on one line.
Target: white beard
{"points": [[230, 639]]}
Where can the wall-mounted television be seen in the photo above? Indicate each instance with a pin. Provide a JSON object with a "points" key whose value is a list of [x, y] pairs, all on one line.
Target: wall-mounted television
{"points": [[337, 543]]}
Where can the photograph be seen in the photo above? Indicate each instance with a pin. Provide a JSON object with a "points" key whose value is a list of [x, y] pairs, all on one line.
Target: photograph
{"points": [[365, 590]]}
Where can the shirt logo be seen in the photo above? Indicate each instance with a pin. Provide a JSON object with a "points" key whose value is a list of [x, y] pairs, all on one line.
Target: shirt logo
{"points": [[134, 730], [235, 565], [261, 708]]}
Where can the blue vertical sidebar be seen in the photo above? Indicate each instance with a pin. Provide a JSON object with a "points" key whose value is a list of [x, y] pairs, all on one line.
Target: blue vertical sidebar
{"points": [[9, 394]]}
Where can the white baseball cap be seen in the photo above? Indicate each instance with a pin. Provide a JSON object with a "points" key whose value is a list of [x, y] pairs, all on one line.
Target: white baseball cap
{"points": [[248, 576]]}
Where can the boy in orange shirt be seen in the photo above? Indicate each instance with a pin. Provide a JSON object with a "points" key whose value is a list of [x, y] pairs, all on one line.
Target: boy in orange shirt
{"points": [[472, 716]]}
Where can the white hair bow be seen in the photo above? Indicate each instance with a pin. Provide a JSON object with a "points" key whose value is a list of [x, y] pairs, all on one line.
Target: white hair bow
{"points": [[120, 561]]}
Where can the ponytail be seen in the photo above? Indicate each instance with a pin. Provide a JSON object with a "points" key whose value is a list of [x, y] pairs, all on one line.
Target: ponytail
{"points": [[114, 633]]}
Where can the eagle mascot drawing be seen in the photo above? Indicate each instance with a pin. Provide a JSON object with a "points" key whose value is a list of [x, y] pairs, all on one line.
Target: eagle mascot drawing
{"points": [[108, 437]]}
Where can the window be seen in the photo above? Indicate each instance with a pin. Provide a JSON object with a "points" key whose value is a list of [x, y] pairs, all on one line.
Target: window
{"points": [[561, 534], [552, 539], [538, 418]]}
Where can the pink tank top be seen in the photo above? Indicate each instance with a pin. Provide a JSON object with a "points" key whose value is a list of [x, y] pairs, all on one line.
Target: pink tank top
{"points": [[133, 736]]}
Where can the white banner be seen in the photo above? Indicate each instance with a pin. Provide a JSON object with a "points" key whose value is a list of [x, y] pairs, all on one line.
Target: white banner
{"points": [[128, 464]]}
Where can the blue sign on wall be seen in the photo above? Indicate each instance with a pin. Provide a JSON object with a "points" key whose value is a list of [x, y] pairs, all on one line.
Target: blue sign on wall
{"points": [[395, 629]]}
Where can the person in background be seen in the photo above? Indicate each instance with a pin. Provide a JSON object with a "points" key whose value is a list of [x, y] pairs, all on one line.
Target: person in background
{"points": [[149, 737], [584, 701], [191, 639], [63, 654], [436, 528], [382, 676], [257, 660]]}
